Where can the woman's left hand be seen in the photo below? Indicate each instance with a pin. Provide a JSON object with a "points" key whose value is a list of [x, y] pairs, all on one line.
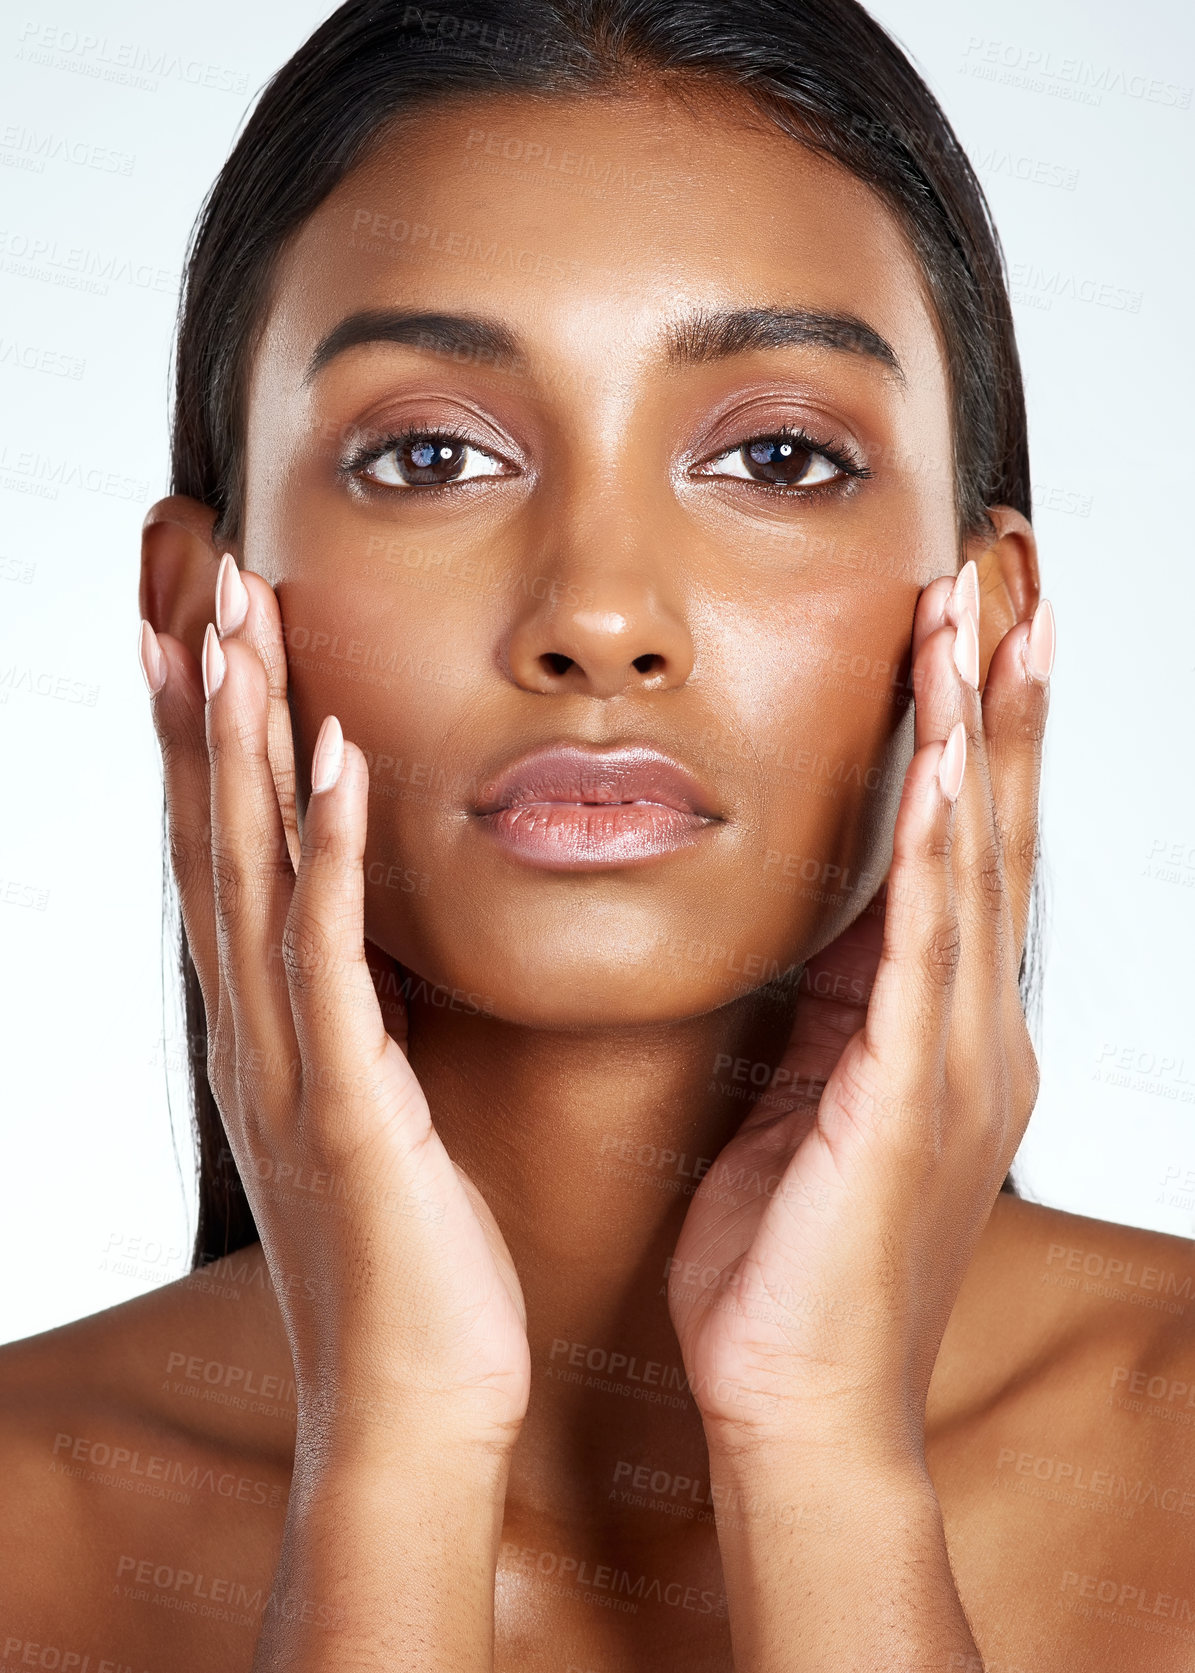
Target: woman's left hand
{"points": [[824, 1250]]}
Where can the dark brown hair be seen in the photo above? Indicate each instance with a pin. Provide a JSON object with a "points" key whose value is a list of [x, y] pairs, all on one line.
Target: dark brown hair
{"points": [[823, 70]]}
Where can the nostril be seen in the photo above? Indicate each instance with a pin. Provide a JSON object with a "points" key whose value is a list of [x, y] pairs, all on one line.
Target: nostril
{"points": [[556, 663], [647, 664]]}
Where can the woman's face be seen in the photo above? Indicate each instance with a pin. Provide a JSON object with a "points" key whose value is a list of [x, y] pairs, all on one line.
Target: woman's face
{"points": [[608, 501]]}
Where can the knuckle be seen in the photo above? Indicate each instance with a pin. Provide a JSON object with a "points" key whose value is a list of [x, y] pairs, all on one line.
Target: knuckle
{"points": [[228, 879], [190, 857], [1031, 728], [943, 951], [1021, 847], [181, 748], [986, 878], [221, 1066], [326, 847], [939, 843], [271, 855], [306, 950], [238, 736]]}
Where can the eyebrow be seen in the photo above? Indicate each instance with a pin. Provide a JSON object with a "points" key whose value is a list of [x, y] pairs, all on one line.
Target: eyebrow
{"points": [[480, 339], [704, 337], [695, 340]]}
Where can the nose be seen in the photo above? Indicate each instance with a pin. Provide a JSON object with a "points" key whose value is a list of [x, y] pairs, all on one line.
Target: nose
{"points": [[600, 632]]}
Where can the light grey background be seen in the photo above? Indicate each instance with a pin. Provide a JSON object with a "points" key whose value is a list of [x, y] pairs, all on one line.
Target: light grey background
{"points": [[116, 117]]}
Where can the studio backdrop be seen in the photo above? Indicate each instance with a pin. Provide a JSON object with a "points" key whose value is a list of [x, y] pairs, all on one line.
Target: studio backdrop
{"points": [[117, 115]]}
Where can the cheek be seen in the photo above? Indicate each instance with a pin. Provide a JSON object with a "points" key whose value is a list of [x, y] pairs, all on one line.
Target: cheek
{"points": [[800, 717], [834, 766], [394, 650]]}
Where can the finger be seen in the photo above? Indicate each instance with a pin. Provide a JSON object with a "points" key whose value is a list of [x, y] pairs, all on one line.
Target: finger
{"points": [[914, 991], [1016, 700], [338, 1020], [930, 613], [986, 999], [247, 608], [949, 691], [941, 611], [178, 716], [253, 878]]}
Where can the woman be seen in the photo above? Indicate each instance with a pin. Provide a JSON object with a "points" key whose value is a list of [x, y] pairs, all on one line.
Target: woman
{"points": [[604, 818]]}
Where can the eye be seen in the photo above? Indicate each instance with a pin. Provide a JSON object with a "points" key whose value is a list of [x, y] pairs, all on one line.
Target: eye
{"points": [[427, 459], [785, 459]]}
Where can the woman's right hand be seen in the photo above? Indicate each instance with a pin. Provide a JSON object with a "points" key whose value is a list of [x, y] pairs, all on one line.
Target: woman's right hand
{"points": [[397, 1290]]}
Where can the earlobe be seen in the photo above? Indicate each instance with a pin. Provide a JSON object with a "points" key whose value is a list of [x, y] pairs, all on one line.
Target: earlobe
{"points": [[1009, 582], [179, 560]]}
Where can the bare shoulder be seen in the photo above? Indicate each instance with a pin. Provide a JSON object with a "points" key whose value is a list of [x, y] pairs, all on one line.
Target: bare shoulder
{"points": [[1063, 1440], [143, 1512]]}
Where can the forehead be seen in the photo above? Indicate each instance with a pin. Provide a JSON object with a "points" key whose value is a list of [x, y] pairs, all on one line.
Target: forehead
{"points": [[586, 222]]}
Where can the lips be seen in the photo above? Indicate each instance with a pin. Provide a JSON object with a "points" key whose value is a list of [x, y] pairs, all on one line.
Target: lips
{"points": [[572, 808]]}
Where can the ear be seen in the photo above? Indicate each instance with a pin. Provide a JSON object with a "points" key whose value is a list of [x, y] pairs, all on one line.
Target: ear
{"points": [[1009, 583], [179, 560]]}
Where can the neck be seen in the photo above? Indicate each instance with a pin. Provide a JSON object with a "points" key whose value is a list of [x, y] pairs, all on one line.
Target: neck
{"points": [[588, 1147]]}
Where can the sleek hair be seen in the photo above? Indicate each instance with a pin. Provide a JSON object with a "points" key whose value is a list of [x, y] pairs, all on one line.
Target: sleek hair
{"points": [[822, 70]]}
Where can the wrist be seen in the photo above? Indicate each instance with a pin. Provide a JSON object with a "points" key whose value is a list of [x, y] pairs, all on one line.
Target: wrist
{"points": [[824, 1486], [383, 1499], [373, 1424], [398, 1440], [893, 1451]]}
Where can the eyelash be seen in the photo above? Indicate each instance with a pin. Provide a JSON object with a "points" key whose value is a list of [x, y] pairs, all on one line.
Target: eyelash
{"points": [[370, 452], [851, 467], [847, 463]]}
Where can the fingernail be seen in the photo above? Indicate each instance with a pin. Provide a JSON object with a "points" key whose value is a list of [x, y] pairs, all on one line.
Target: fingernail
{"points": [[212, 662], [329, 755], [965, 593], [966, 649], [1039, 647], [153, 663], [952, 761], [232, 596]]}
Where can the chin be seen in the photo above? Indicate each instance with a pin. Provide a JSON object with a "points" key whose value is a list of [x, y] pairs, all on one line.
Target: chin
{"points": [[585, 973]]}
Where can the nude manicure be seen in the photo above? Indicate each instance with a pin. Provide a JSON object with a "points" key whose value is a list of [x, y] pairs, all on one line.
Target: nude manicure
{"points": [[1039, 647], [966, 649], [952, 762], [328, 758], [153, 663], [212, 662], [965, 593], [232, 596]]}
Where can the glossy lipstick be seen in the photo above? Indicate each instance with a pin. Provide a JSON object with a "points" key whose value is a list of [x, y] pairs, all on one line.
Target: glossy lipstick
{"points": [[574, 809]]}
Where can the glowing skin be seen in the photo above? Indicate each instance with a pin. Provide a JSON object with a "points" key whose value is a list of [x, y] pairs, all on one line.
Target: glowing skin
{"points": [[701, 613], [610, 576], [621, 568]]}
